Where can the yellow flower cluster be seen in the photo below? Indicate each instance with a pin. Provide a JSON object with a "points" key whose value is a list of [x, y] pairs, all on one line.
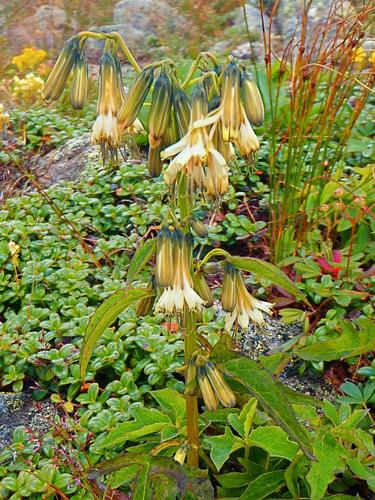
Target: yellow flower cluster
{"points": [[30, 58], [4, 116], [28, 87], [363, 57]]}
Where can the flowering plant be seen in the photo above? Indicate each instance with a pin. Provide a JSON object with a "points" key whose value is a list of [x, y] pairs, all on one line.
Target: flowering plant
{"points": [[201, 122]]}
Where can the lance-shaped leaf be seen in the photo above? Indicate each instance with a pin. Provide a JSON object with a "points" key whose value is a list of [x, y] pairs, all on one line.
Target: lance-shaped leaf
{"points": [[271, 396], [264, 485], [103, 317], [351, 342], [270, 272], [140, 259]]}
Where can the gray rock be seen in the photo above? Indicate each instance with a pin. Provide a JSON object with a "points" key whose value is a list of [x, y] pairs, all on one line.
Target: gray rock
{"points": [[66, 163], [141, 24], [47, 27], [48, 16], [20, 410]]}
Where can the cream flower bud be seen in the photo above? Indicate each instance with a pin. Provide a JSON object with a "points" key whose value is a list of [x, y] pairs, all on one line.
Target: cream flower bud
{"points": [[164, 270]]}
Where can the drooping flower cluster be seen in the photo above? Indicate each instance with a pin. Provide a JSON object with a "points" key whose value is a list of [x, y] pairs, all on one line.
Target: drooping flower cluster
{"points": [[205, 151], [212, 385], [173, 273], [111, 97], [240, 305], [199, 132]]}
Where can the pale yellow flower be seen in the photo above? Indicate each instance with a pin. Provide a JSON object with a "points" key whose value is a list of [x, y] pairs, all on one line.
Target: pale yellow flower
{"points": [[239, 303], [180, 294]]}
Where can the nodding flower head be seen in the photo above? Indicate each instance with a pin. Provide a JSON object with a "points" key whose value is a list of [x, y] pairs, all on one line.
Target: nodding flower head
{"points": [[160, 109], [133, 102], [56, 81], [105, 129], [178, 291], [241, 306], [252, 100]]}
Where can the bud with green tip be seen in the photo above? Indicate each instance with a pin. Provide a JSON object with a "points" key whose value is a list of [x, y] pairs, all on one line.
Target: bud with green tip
{"points": [[144, 306], [199, 228], [120, 86], [135, 98], [78, 90], [202, 289], [230, 100], [56, 81], [252, 100], [164, 269], [208, 394], [182, 109], [222, 390], [171, 135], [191, 374], [154, 163], [228, 296], [159, 115]]}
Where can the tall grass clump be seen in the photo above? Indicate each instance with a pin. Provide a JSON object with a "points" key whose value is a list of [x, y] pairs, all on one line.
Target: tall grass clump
{"points": [[317, 89]]}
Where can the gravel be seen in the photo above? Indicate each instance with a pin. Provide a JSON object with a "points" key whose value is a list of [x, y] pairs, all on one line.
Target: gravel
{"points": [[268, 339]]}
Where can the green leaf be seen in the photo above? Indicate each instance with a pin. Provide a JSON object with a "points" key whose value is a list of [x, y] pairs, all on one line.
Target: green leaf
{"points": [[171, 401], [275, 441], [146, 421], [343, 225], [351, 342], [297, 398], [242, 423], [270, 394], [270, 272], [308, 268], [233, 479], [103, 317], [264, 485], [223, 446], [292, 474], [329, 456], [140, 259], [157, 477]]}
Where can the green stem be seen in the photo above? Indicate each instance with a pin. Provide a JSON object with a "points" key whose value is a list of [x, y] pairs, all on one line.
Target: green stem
{"points": [[125, 49], [163, 62], [209, 74], [214, 253], [184, 200], [190, 337], [195, 65], [117, 38], [192, 70]]}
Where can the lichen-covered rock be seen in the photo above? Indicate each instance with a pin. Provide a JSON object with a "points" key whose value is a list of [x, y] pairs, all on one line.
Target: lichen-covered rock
{"points": [[19, 409], [66, 163]]}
